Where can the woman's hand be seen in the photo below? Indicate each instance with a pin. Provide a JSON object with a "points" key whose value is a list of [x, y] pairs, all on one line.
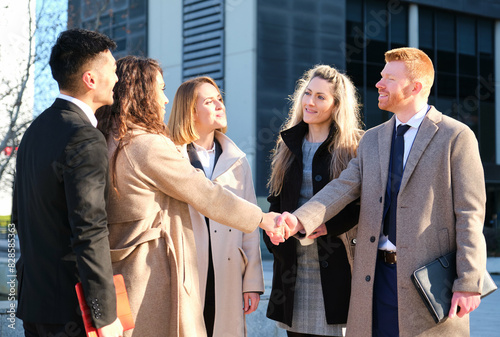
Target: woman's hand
{"points": [[321, 230], [251, 302]]}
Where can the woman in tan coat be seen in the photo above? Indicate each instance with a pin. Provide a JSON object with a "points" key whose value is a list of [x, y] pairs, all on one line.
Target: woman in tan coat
{"points": [[151, 237], [229, 261]]}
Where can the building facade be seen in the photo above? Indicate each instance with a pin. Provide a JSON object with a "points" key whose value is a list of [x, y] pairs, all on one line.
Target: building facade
{"points": [[257, 49]]}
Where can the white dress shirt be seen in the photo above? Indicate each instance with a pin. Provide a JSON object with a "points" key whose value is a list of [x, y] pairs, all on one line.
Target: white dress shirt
{"points": [[207, 159], [86, 109], [409, 137]]}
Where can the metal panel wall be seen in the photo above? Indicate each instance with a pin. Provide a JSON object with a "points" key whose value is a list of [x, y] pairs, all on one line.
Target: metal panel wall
{"points": [[203, 39]]}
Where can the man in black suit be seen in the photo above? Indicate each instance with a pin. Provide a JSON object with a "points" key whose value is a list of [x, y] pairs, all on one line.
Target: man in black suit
{"points": [[60, 196]]}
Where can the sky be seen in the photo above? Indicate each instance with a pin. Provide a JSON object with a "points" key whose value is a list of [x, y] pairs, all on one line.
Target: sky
{"points": [[14, 24]]}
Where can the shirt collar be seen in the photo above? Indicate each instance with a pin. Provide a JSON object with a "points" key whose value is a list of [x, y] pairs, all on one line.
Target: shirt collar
{"points": [[417, 118], [85, 108], [199, 148]]}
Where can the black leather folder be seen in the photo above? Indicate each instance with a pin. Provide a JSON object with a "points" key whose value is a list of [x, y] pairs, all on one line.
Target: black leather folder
{"points": [[434, 282]]}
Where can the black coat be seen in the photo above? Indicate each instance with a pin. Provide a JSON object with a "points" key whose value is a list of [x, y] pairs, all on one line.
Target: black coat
{"points": [[59, 212], [335, 250]]}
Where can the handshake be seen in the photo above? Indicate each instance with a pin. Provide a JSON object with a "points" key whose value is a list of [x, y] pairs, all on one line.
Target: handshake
{"points": [[279, 227]]}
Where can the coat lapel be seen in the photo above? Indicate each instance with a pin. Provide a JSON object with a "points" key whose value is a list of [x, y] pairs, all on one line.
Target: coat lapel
{"points": [[426, 132], [229, 156], [384, 149]]}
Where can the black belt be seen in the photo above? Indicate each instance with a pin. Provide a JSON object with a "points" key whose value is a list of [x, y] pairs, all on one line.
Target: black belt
{"points": [[389, 257]]}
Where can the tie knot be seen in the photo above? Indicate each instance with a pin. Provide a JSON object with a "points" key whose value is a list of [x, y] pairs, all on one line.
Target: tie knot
{"points": [[402, 128]]}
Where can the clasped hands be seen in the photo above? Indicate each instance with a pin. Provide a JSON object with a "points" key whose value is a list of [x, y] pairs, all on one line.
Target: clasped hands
{"points": [[280, 227]]}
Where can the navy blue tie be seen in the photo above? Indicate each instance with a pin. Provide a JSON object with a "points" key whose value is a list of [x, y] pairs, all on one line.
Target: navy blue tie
{"points": [[396, 173]]}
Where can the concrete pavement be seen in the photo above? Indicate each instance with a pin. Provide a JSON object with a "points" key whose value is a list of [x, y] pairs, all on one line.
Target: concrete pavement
{"points": [[485, 321]]}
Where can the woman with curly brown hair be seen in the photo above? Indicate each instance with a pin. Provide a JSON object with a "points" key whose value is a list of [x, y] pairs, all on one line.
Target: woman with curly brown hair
{"points": [[312, 280], [150, 232]]}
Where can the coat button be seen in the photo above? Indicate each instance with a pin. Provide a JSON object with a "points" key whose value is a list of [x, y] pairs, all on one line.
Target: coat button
{"points": [[380, 200], [229, 229], [318, 178], [372, 239], [353, 241], [215, 231], [324, 264], [368, 278]]}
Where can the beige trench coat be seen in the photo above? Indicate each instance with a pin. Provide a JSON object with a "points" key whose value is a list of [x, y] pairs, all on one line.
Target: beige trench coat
{"points": [[151, 237], [235, 255], [441, 205]]}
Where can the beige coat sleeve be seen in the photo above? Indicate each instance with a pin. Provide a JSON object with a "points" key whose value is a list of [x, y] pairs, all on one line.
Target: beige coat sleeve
{"points": [[467, 186], [253, 279], [158, 163]]}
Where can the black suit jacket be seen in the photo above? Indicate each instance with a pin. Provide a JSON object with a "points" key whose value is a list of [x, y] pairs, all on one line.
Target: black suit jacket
{"points": [[59, 211], [333, 260]]}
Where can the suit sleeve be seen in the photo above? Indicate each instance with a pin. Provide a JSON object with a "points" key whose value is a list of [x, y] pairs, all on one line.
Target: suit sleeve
{"points": [[85, 180], [469, 199], [332, 198], [163, 166], [344, 220], [253, 279]]}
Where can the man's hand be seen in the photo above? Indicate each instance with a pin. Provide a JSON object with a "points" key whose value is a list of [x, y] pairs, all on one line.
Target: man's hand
{"points": [[251, 302], [114, 329], [321, 230], [292, 223], [466, 301], [276, 231]]}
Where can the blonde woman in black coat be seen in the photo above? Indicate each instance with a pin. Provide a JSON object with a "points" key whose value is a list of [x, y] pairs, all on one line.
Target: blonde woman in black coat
{"points": [[312, 276]]}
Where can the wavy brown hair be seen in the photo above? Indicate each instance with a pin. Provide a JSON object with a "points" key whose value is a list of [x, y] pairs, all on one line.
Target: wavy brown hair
{"points": [[134, 102], [345, 119]]}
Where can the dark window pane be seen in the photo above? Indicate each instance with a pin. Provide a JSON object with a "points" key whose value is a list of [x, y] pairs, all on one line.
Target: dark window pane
{"points": [[105, 22], [446, 62], [426, 28], [445, 28], [468, 103], [119, 32], [467, 65], [446, 85], [355, 72], [375, 51], [467, 86], [486, 65], [446, 105], [399, 28], [354, 10], [137, 45], [355, 43], [487, 139], [121, 45], [137, 8], [376, 22], [466, 35], [373, 75], [120, 17], [485, 36]]}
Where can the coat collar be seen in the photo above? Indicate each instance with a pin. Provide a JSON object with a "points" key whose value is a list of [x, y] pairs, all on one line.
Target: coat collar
{"points": [[294, 136], [230, 154], [62, 104]]}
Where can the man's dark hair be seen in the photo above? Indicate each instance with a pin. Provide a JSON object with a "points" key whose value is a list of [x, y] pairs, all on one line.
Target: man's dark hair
{"points": [[73, 49]]}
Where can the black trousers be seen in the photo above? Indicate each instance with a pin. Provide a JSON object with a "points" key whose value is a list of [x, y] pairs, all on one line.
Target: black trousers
{"points": [[385, 300], [70, 329]]}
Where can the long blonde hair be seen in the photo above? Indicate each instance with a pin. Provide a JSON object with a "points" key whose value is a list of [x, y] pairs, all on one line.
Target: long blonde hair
{"points": [[345, 119]]}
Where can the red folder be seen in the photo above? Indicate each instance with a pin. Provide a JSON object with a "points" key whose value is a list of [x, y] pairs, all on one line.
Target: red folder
{"points": [[122, 307]]}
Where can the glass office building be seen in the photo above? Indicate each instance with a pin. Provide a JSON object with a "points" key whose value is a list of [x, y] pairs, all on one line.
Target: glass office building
{"points": [[257, 49]]}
